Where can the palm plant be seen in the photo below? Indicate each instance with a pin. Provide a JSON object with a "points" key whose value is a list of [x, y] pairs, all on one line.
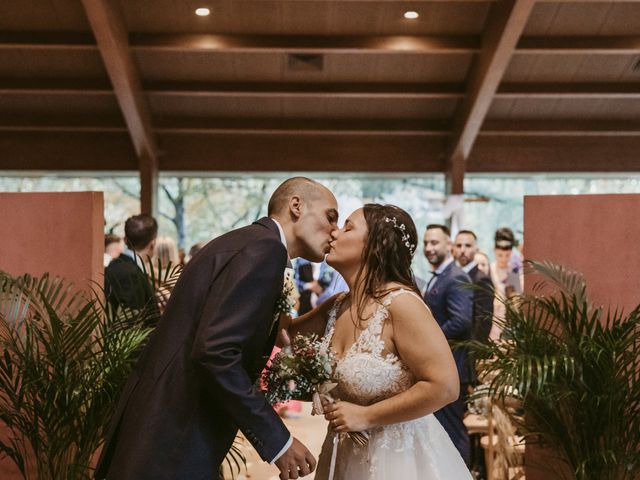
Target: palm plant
{"points": [[65, 357], [63, 363], [575, 368]]}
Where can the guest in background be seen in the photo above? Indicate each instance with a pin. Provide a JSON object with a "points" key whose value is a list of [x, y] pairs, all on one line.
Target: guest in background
{"points": [[166, 258], [113, 248], [507, 283], [311, 280], [165, 252], [465, 249], [125, 281], [482, 260], [452, 306], [194, 249]]}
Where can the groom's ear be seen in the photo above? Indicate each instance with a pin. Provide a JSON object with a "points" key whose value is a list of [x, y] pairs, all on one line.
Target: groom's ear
{"points": [[295, 206]]}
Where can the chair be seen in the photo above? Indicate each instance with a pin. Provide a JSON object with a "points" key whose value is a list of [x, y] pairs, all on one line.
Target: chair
{"points": [[504, 450]]}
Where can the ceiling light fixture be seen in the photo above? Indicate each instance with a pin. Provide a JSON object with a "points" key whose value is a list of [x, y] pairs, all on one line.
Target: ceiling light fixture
{"points": [[411, 15], [202, 11]]}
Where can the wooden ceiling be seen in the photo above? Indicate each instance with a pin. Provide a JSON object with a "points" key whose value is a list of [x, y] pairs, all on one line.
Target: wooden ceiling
{"points": [[351, 85]]}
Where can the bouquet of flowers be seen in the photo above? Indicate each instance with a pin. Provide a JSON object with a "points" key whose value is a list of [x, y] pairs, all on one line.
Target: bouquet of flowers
{"points": [[297, 370], [303, 371]]}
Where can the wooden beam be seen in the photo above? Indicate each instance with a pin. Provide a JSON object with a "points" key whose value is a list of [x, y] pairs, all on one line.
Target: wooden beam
{"points": [[550, 128], [431, 44], [112, 39], [579, 45], [554, 154], [306, 127], [569, 90], [113, 152], [505, 25], [328, 153], [61, 123], [303, 127], [67, 151], [303, 89], [328, 89]]}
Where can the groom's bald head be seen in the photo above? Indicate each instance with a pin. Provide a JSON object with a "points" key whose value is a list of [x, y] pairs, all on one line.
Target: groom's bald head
{"points": [[306, 189]]}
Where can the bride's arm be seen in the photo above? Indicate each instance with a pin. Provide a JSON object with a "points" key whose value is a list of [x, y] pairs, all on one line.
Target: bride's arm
{"points": [[314, 321], [424, 350]]}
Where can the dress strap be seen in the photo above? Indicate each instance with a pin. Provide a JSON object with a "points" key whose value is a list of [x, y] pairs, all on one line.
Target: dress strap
{"points": [[396, 293], [332, 315]]}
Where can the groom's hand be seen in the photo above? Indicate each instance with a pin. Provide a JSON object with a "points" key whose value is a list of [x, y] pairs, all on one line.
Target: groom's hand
{"points": [[283, 340], [296, 461]]}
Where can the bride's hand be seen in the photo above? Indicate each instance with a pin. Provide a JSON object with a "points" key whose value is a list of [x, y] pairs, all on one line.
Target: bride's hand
{"points": [[346, 417]]}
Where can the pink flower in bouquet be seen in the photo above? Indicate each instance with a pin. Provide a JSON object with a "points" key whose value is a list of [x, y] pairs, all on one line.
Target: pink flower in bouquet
{"points": [[292, 385]]}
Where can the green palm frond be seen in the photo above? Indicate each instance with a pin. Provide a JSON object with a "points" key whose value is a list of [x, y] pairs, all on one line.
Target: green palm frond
{"points": [[62, 366], [568, 281], [235, 460], [64, 358], [576, 370]]}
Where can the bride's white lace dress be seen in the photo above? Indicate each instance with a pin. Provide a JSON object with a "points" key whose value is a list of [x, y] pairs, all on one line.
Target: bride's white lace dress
{"points": [[416, 450]]}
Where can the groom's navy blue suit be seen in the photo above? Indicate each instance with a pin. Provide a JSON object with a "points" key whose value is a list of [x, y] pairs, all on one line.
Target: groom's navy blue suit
{"points": [[452, 306], [194, 384]]}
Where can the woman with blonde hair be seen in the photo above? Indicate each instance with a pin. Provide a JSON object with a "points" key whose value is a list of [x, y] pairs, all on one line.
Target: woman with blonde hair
{"points": [[165, 259]]}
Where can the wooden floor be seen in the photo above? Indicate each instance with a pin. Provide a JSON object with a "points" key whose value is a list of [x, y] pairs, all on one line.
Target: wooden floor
{"points": [[309, 429]]}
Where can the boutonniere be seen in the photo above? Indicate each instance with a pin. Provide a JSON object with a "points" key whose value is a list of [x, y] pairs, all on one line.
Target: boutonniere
{"points": [[286, 300]]}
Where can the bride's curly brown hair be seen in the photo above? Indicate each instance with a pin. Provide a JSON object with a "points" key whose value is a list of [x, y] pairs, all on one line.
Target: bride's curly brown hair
{"points": [[391, 242]]}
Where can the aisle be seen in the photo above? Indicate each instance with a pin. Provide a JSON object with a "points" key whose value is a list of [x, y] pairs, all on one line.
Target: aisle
{"points": [[309, 429]]}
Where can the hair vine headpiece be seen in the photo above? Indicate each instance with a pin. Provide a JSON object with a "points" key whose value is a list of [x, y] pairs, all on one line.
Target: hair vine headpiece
{"points": [[405, 235]]}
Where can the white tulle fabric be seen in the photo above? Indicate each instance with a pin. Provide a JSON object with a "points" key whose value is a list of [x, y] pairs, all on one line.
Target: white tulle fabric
{"points": [[416, 450]]}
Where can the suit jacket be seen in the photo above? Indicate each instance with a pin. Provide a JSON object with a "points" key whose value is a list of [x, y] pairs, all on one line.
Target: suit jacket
{"points": [[482, 304], [194, 385], [125, 284], [452, 306]]}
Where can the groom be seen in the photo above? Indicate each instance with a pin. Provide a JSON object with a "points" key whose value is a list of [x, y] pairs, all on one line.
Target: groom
{"points": [[194, 385]]}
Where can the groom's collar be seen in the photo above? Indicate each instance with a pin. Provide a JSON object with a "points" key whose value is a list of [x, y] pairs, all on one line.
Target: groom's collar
{"points": [[283, 239]]}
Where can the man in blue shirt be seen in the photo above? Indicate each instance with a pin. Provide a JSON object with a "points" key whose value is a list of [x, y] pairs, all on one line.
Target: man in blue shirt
{"points": [[451, 302]]}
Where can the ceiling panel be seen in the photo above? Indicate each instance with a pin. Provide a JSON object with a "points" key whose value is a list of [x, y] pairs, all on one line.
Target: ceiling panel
{"points": [[43, 15], [58, 105], [565, 108], [33, 64], [272, 66], [310, 17], [584, 18], [572, 68], [302, 107]]}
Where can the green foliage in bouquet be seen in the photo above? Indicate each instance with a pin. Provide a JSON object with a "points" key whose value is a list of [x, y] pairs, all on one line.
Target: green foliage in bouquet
{"points": [[296, 370], [576, 370]]}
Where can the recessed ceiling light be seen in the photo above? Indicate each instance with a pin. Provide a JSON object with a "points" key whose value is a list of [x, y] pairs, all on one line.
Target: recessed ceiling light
{"points": [[411, 15], [202, 11]]}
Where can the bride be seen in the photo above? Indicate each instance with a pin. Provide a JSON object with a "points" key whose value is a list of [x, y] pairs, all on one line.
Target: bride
{"points": [[394, 366]]}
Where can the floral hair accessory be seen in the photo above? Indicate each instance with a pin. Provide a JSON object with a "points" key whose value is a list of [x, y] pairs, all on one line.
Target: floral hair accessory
{"points": [[405, 236]]}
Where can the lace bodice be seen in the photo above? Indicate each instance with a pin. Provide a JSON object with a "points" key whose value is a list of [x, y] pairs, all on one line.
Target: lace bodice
{"points": [[417, 449], [364, 374]]}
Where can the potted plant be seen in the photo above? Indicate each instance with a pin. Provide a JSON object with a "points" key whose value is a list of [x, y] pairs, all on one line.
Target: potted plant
{"points": [[575, 368], [64, 357]]}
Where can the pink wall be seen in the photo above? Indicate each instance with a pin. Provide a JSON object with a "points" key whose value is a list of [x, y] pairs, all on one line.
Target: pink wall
{"points": [[59, 233], [593, 234]]}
